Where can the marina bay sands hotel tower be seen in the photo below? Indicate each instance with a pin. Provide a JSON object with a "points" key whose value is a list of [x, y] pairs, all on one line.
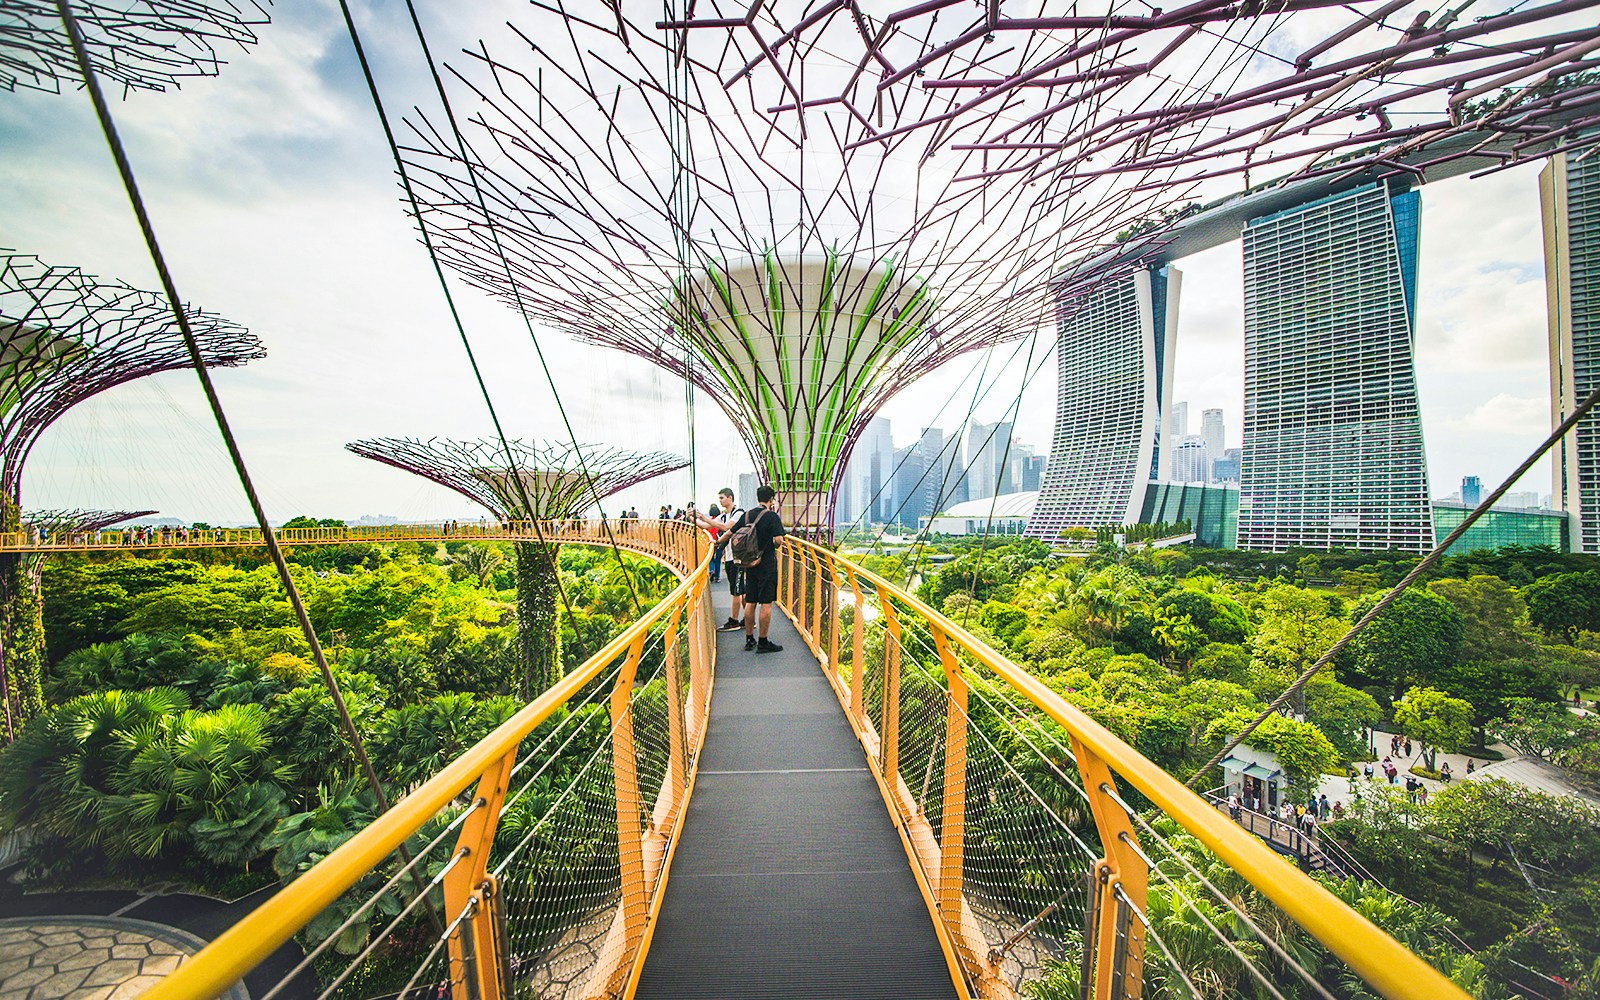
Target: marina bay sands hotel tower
{"points": [[1333, 453]]}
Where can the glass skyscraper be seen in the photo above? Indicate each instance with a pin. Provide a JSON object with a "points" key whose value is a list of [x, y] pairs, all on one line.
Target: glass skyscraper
{"points": [[1569, 193], [1114, 358], [1333, 453]]}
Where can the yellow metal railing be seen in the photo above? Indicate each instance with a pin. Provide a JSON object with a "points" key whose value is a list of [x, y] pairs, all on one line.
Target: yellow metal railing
{"points": [[485, 530], [1037, 870], [491, 892], [912, 682]]}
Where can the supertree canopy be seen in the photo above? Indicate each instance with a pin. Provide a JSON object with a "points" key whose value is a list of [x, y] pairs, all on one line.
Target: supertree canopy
{"points": [[66, 336], [535, 481], [138, 45], [802, 206]]}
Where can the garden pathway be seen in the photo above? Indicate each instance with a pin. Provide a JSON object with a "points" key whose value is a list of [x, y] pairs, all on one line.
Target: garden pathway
{"points": [[89, 958]]}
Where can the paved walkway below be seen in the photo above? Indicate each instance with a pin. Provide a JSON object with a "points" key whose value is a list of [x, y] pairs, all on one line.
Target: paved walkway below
{"points": [[89, 958], [789, 879]]}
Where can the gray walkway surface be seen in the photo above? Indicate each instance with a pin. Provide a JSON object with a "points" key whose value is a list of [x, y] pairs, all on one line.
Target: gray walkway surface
{"points": [[789, 879]]}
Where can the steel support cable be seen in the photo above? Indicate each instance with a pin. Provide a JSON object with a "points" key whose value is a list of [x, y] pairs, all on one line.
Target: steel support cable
{"points": [[516, 294], [382, 936], [1216, 932], [528, 757], [1239, 911], [372, 900], [1393, 595], [450, 303], [1151, 931], [125, 169], [601, 747], [973, 688], [439, 943], [1000, 475]]}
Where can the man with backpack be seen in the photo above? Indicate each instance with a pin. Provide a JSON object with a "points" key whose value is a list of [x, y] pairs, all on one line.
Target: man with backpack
{"points": [[752, 544], [723, 525]]}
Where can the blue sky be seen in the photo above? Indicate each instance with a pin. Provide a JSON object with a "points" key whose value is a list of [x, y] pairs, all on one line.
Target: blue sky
{"points": [[276, 202]]}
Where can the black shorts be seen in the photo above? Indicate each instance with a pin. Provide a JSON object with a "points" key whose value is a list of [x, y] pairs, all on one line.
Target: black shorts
{"points": [[761, 587], [735, 575]]}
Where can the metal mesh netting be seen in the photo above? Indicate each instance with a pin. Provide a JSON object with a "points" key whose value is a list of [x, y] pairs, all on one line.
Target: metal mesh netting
{"points": [[555, 924], [1030, 842]]}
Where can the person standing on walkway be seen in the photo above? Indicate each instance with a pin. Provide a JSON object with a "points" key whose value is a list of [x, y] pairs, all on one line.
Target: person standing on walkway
{"points": [[723, 524], [761, 579]]}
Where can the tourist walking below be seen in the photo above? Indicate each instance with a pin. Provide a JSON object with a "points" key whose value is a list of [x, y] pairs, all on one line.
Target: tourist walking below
{"points": [[760, 567]]}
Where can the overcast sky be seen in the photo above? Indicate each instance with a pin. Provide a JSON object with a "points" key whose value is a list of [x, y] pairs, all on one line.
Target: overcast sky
{"points": [[275, 199]]}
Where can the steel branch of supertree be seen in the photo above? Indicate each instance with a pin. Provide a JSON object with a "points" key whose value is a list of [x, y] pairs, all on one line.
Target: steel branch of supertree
{"points": [[800, 207], [542, 481], [138, 45], [66, 336]]}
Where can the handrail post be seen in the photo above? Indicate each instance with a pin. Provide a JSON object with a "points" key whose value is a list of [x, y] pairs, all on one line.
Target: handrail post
{"points": [[1121, 866], [676, 762], [953, 804], [833, 619], [889, 739], [816, 601], [858, 649], [469, 885], [625, 778]]}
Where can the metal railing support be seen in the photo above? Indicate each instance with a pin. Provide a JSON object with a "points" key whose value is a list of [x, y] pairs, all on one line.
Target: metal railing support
{"points": [[816, 603], [858, 651], [676, 762], [469, 885], [889, 739], [630, 841], [953, 804], [1118, 944]]}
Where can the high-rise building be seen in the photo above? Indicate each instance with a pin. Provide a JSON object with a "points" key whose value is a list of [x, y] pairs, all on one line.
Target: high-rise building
{"points": [[1114, 358], [1569, 196], [1226, 468], [1189, 463], [867, 493], [749, 482], [1032, 474], [946, 482], [1521, 499], [1333, 453], [1471, 490], [1211, 430], [987, 448], [1177, 430]]}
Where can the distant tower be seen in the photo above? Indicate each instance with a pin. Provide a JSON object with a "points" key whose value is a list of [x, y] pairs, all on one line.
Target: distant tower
{"points": [[541, 482], [1189, 463], [1333, 451], [1569, 196], [987, 475], [1114, 359], [1211, 430], [867, 493], [1177, 430], [1471, 490], [66, 336]]}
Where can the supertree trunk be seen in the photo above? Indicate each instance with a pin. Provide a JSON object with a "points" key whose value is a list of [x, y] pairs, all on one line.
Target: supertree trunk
{"points": [[21, 631], [538, 619]]}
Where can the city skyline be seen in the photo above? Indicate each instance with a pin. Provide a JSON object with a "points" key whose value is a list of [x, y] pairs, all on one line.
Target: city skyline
{"points": [[273, 192]]}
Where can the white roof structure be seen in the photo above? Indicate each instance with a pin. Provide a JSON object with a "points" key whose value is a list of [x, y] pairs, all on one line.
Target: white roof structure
{"points": [[1005, 505]]}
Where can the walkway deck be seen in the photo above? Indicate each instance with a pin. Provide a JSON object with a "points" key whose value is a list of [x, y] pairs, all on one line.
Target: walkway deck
{"points": [[789, 879]]}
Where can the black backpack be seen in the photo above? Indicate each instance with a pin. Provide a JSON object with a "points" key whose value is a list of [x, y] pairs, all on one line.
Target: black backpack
{"points": [[744, 545]]}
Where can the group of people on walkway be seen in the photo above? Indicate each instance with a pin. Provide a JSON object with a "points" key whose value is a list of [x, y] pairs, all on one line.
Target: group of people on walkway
{"points": [[748, 560]]}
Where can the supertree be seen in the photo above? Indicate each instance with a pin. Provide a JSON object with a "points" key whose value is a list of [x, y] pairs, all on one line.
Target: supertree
{"points": [[535, 482], [140, 45], [54, 524], [66, 336], [800, 207]]}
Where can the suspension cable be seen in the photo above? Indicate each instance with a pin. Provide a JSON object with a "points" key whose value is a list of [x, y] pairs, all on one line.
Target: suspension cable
{"points": [[516, 293], [455, 315], [268, 537], [1393, 595]]}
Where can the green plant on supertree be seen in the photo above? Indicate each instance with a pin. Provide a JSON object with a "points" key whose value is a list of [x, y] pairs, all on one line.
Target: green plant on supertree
{"points": [[66, 336], [535, 482]]}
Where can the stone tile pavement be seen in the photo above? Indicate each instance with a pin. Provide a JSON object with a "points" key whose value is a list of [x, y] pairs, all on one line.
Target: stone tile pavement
{"points": [[89, 958]]}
